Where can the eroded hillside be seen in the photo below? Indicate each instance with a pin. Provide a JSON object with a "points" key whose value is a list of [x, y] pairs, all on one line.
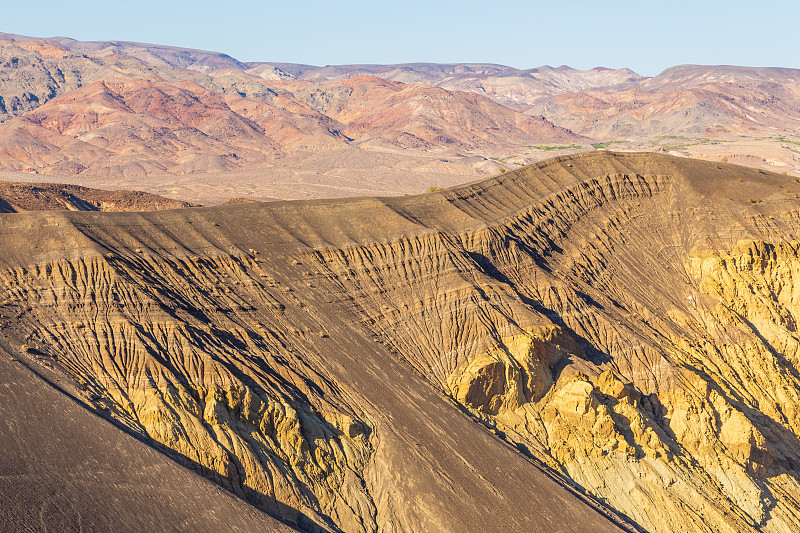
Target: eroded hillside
{"points": [[532, 352]]}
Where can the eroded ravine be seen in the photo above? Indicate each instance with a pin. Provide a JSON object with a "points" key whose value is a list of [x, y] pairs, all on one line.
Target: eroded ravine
{"points": [[627, 319], [638, 338]]}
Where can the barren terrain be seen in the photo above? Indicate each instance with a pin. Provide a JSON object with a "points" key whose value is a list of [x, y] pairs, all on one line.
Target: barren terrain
{"points": [[544, 300], [601, 341], [204, 127]]}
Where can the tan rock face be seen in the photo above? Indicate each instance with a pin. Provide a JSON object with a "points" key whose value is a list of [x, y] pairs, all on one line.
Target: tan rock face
{"points": [[627, 320], [510, 375]]}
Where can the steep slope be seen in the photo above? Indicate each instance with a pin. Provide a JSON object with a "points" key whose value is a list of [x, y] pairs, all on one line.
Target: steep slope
{"points": [[64, 469], [635, 327], [626, 319]]}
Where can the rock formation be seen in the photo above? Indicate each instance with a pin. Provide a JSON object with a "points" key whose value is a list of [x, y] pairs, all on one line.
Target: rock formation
{"points": [[599, 341]]}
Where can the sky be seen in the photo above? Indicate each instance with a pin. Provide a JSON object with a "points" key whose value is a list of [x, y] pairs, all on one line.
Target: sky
{"points": [[642, 35]]}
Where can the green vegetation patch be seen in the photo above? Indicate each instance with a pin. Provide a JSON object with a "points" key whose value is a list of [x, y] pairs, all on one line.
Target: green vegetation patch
{"points": [[687, 142], [549, 148], [783, 139], [599, 146]]}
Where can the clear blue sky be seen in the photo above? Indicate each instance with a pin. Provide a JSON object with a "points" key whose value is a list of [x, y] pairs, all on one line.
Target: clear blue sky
{"points": [[642, 35]]}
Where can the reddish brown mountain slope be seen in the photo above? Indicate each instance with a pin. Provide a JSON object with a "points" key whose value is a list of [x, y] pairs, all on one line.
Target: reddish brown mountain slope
{"points": [[691, 100], [714, 109], [183, 111], [141, 127], [130, 110], [419, 116]]}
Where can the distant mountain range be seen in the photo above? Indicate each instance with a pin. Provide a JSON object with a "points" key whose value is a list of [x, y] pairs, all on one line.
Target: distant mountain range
{"points": [[111, 109], [116, 108]]}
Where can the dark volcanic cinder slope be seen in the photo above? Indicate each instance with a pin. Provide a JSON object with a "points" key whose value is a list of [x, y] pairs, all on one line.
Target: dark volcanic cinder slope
{"points": [[64, 469], [625, 319], [18, 197]]}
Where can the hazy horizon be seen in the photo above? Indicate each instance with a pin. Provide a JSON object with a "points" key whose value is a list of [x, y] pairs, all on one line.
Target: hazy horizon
{"points": [[615, 34], [420, 62]]}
